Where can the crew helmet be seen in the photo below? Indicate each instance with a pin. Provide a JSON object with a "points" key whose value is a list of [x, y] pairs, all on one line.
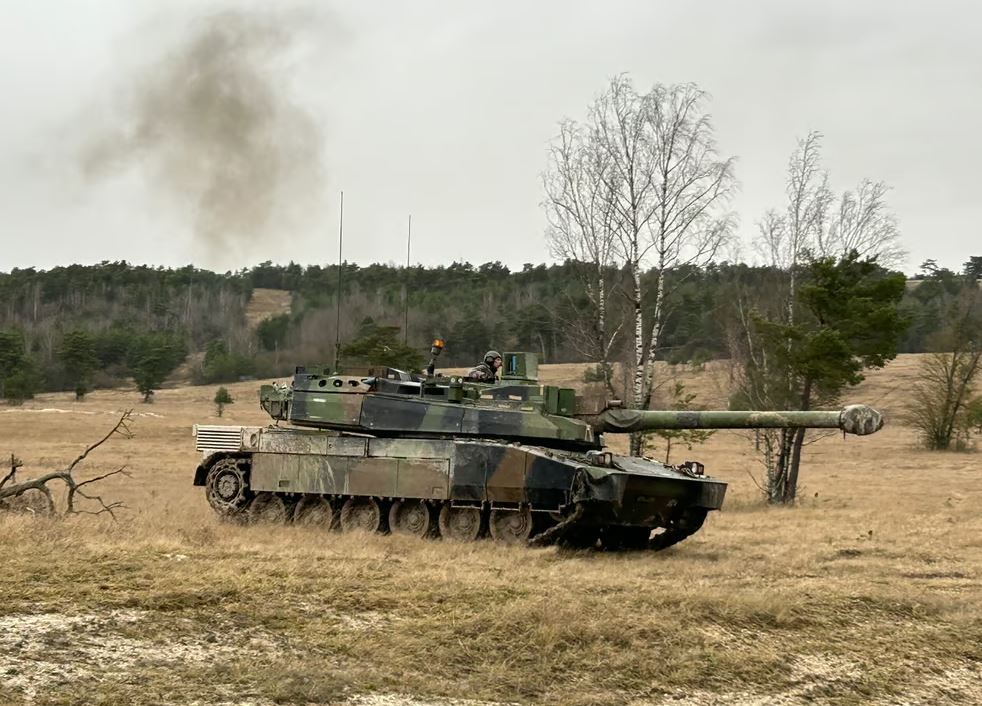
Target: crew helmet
{"points": [[490, 356]]}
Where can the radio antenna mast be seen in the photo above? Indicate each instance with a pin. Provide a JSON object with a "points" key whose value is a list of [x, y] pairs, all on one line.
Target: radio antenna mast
{"points": [[405, 313], [337, 322]]}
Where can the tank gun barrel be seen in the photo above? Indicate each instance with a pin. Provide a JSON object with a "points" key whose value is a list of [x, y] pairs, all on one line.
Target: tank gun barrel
{"points": [[856, 419]]}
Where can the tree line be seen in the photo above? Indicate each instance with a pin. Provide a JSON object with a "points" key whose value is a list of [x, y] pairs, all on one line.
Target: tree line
{"points": [[81, 327]]}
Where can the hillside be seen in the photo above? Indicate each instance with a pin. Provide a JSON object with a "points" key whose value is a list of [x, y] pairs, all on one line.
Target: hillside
{"points": [[265, 304]]}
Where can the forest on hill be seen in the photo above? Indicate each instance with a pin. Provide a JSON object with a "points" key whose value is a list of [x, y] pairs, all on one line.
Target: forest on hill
{"points": [[81, 327]]}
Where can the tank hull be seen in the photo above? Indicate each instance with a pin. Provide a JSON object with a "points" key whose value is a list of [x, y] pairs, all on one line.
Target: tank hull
{"points": [[547, 487]]}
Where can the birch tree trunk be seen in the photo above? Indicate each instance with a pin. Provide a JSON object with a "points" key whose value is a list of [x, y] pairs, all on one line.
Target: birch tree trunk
{"points": [[639, 358]]}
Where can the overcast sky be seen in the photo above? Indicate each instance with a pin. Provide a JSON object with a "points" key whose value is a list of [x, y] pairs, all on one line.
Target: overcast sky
{"points": [[444, 110]]}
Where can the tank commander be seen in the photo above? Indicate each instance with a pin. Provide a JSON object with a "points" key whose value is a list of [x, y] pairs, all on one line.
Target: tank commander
{"points": [[486, 371]]}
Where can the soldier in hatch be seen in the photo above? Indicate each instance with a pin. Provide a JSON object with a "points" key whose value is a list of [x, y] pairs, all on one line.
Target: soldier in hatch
{"points": [[488, 370]]}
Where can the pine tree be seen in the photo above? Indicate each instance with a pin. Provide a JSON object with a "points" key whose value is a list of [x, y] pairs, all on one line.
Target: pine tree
{"points": [[78, 356]]}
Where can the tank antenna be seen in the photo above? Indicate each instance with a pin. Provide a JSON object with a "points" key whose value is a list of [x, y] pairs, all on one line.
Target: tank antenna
{"points": [[337, 322], [405, 313]]}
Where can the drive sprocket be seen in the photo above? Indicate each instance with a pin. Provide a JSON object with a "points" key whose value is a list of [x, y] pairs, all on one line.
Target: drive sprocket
{"points": [[227, 486]]}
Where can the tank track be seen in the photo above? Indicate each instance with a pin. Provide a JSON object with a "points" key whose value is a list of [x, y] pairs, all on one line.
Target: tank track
{"points": [[228, 493]]}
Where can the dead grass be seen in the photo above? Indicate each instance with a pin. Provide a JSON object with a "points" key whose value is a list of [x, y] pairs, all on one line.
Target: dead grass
{"points": [[265, 304], [867, 593]]}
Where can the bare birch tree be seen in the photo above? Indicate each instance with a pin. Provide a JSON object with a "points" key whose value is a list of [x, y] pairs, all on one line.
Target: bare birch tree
{"points": [[866, 224], [579, 211], [815, 223], [786, 238], [669, 187], [694, 185], [642, 180], [812, 225], [622, 129]]}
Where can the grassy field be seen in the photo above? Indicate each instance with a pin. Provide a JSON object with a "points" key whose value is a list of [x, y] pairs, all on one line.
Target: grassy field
{"points": [[869, 592]]}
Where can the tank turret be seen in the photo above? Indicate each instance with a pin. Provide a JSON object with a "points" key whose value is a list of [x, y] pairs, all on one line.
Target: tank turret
{"points": [[388, 402], [381, 449]]}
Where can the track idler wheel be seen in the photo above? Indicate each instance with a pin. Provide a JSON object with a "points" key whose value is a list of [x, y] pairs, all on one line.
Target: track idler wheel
{"points": [[511, 526], [411, 517], [227, 486], [361, 514], [460, 524], [687, 524], [268, 508], [314, 511]]}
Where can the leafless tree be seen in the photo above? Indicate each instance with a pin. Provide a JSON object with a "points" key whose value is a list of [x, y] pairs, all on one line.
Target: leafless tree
{"points": [[941, 401], [812, 224], [786, 238], [694, 185], [622, 132], [864, 223], [11, 489], [668, 186], [580, 214], [641, 182]]}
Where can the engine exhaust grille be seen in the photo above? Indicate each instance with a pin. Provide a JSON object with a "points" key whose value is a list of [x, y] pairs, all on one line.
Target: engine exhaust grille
{"points": [[214, 437]]}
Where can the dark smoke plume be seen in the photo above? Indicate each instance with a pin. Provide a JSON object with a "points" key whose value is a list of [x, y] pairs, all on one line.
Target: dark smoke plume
{"points": [[214, 128]]}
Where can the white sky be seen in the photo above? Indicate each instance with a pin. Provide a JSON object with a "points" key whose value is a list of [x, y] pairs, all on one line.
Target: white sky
{"points": [[444, 110]]}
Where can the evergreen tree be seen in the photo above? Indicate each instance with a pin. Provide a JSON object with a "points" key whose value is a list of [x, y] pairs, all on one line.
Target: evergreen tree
{"points": [[153, 357], [222, 366], [272, 332], [848, 320], [380, 345], [78, 356], [18, 374], [222, 398]]}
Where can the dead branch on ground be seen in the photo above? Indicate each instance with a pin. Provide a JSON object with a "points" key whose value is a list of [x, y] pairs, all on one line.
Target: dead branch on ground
{"points": [[11, 490]]}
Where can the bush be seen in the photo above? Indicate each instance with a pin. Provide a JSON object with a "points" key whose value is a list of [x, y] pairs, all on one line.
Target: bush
{"points": [[222, 398], [598, 373], [222, 366]]}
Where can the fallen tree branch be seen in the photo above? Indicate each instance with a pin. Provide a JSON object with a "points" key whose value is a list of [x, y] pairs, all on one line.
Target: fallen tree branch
{"points": [[40, 484], [15, 463]]}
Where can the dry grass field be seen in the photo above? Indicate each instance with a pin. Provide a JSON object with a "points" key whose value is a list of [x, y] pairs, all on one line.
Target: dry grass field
{"points": [[867, 593], [265, 304]]}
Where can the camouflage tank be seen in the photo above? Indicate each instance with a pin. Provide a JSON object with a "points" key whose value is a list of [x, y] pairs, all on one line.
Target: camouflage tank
{"points": [[379, 449]]}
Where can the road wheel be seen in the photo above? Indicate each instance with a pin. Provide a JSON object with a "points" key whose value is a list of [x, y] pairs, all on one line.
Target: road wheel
{"points": [[511, 526], [269, 509], [411, 517], [314, 511], [460, 524], [361, 514]]}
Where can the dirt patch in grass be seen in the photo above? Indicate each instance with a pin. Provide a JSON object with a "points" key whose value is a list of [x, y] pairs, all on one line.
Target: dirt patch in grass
{"points": [[46, 652]]}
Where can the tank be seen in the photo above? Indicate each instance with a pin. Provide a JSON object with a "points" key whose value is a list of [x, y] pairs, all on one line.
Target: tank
{"points": [[381, 450]]}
